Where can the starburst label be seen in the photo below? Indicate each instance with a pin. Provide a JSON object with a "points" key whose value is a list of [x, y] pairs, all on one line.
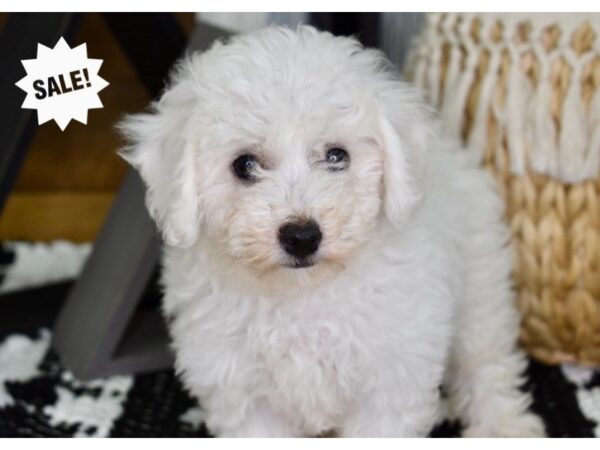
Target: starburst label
{"points": [[62, 83]]}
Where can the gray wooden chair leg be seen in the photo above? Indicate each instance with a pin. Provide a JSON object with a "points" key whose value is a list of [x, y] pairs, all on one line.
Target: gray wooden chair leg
{"points": [[89, 334]]}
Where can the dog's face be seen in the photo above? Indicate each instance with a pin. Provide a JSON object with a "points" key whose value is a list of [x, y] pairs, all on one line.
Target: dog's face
{"points": [[282, 150], [290, 180]]}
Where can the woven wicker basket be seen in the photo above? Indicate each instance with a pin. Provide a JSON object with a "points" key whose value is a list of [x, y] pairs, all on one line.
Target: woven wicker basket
{"points": [[523, 91]]}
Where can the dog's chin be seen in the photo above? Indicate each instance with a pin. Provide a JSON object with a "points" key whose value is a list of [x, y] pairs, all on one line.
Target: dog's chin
{"points": [[292, 277], [299, 264]]}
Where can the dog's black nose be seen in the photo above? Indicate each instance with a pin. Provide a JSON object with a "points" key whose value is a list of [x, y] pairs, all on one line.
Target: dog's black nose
{"points": [[300, 239]]}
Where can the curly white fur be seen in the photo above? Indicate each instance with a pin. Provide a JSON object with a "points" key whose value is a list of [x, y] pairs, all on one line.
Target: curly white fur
{"points": [[411, 284]]}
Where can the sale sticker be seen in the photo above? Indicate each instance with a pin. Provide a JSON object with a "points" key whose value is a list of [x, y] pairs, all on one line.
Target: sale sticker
{"points": [[62, 83]]}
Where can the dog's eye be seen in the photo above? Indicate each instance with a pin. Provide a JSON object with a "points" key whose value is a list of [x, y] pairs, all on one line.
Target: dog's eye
{"points": [[244, 166], [337, 159]]}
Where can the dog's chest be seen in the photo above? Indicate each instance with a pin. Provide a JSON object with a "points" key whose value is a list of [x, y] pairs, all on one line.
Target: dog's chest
{"points": [[312, 362]]}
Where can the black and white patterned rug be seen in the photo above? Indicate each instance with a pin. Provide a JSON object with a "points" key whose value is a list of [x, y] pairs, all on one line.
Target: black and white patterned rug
{"points": [[38, 397]]}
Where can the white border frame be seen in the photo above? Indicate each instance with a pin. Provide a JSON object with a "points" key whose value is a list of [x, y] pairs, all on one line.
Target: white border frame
{"points": [[299, 6]]}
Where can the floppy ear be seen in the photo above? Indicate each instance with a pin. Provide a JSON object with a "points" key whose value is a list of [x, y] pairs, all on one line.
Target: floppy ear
{"points": [[166, 162], [407, 131]]}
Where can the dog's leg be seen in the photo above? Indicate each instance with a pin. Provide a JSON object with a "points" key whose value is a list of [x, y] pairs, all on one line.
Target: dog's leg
{"points": [[398, 406], [257, 426], [257, 420], [486, 367]]}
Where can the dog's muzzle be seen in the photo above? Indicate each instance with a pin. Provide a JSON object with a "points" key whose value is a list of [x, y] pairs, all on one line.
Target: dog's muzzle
{"points": [[300, 240]]}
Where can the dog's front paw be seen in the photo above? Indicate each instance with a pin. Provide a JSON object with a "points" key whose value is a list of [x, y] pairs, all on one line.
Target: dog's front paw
{"points": [[526, 425]]}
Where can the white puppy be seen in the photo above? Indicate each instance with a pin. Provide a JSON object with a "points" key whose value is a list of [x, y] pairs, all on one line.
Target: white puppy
{"points": [[329, 260]]}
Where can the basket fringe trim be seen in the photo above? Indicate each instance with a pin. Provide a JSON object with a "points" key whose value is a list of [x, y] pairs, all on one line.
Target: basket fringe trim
{"points": [[530, 73]]}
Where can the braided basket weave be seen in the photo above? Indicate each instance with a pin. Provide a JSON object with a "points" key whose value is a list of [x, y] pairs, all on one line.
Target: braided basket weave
{"points": [[523, 92]]}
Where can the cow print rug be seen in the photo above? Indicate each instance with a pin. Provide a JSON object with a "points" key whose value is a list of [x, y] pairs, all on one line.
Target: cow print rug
{"points": [[39, 398]]}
